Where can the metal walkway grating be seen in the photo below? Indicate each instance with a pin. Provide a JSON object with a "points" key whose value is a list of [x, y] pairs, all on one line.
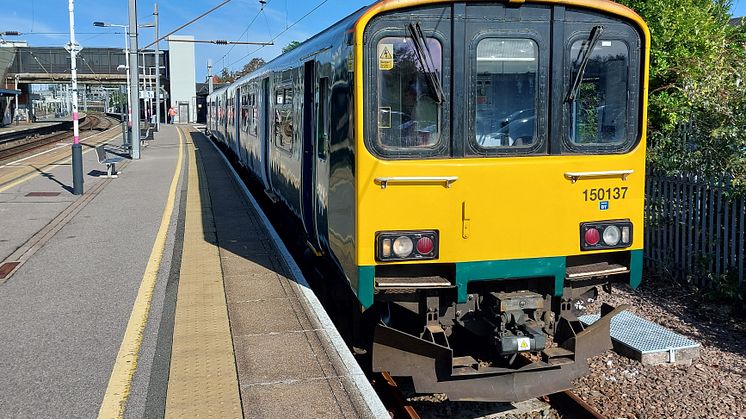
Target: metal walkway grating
{"points": [[643, 336]]}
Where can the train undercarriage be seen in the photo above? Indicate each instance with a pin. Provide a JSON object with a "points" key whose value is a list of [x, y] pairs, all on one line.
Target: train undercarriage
{"points": [[504, 344]]}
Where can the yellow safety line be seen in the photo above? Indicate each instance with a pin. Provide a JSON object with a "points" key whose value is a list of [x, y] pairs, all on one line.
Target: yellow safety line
{"points": [[36, 173], [120, 381]]}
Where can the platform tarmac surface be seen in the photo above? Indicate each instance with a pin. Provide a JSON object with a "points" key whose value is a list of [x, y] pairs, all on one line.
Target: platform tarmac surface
{"points": [[161, 293]]}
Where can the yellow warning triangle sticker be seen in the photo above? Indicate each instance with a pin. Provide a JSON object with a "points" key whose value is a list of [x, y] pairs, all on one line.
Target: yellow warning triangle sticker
{"points": [[386, 54]]}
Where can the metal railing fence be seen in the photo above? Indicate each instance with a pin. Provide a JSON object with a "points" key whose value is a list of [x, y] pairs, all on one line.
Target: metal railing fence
{"points": [[695, 230]]}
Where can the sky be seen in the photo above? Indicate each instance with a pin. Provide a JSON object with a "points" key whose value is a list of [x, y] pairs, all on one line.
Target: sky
{"points": [[45, 23]]}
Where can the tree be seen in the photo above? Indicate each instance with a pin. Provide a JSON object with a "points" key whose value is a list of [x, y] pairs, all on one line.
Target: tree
{"points": [[697, 101], [290, 46], [251, 66], [226, 76]]}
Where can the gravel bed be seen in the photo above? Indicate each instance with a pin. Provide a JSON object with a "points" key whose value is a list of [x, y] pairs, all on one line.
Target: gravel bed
{"points": [[712, 386]]}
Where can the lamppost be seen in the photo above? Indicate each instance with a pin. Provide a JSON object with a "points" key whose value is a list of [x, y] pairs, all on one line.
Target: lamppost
{"points": [[126, 65], [131, 96]]}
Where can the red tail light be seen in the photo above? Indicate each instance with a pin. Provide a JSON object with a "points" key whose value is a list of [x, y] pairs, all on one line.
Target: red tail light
{"points": [[592, 236], [425, 245]]}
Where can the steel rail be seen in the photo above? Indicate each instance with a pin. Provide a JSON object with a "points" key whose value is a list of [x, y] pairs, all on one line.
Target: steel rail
{"points": [[392, 398], [572, 406], [91, 123]]}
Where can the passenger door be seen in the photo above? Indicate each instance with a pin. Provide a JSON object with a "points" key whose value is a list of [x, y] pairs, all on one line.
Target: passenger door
{"points": [[308, 173], [264, 105]]}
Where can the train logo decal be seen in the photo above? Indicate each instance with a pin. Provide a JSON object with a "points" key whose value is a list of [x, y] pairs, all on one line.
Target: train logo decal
{"points": [[386, 57], [603, 205]]}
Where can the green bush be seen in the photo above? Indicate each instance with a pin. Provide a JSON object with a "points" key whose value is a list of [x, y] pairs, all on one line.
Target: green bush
{"points": [[697, 96]]}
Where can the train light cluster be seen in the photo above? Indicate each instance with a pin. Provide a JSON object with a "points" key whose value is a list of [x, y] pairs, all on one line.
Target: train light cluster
{"points": [[605, 235], [406, 245]]}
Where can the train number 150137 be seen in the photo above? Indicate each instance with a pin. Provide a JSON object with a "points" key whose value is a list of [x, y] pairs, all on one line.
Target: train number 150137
{"points": [[601, 194]]}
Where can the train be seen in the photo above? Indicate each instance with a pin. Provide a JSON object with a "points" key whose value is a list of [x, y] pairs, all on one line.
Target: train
{"points": [[475, 172]]}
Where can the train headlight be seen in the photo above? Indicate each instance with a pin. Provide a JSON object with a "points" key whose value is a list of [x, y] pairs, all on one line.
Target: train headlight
{"points": [[403, 246], [406, 245], [612, 235], [598, 235]]}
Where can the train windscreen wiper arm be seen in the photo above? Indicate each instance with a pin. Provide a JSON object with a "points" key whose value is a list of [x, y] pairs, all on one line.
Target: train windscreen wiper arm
{"points": [[426, 61], [592, 41]]}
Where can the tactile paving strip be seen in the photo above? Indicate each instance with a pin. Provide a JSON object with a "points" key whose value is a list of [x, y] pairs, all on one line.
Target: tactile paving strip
{"points": [[202, 379], [643, 335]]}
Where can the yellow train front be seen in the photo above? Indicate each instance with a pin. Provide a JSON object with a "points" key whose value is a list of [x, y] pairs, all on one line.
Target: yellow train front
{"points": [[500, 179], [474, 169]]}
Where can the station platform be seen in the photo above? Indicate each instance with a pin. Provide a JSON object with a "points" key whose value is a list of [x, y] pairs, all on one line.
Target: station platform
{"points": [[25, 127], [161, 293]]}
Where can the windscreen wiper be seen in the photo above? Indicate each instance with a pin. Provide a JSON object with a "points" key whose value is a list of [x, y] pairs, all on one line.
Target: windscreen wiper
{"points": [[426, 61], [586, 56]]}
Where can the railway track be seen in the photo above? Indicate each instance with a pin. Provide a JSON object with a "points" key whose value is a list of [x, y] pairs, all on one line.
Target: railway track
{"points": [[571, 406], [566, 403], [92, 124]]}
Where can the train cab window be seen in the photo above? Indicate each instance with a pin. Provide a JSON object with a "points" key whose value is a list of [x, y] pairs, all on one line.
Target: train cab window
{"points": [[506, 94], [597, 97], [409, 113]]}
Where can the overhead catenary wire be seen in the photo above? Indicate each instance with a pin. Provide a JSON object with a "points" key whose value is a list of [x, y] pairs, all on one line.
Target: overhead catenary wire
{"points": [[186, 24], [221, 42], [261, 10], [281, 33]]}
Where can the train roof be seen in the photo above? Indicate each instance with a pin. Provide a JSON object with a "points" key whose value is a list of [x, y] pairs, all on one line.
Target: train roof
{"points": [[331, 35], [317, 43]]}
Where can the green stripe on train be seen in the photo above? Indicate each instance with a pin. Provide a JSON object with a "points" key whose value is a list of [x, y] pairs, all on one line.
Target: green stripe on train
{"points": [[553, 267]]}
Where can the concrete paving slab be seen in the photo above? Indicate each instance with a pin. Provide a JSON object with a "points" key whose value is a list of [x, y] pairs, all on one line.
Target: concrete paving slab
{"points": [[297, 399], [266, 316], [235, 264], [276, 357], [261, 286]]}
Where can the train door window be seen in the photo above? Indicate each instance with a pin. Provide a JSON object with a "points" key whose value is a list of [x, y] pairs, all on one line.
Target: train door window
{"points": [[506, 95], [254, 115], [284, 119], [244, 109], [322, 119], [597, 99], [409, 109]]}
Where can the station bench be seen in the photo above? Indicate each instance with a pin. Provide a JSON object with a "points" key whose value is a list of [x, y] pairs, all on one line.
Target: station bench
{"points": [[110, 162]]}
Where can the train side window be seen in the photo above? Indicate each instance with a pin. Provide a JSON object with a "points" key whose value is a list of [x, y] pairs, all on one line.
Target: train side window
{"points": [[598, 114], [507, 76], [409, 116]]}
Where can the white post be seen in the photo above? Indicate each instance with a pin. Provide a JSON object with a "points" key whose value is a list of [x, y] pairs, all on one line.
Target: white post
{"points": [[77, 153], [15, 116]]}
